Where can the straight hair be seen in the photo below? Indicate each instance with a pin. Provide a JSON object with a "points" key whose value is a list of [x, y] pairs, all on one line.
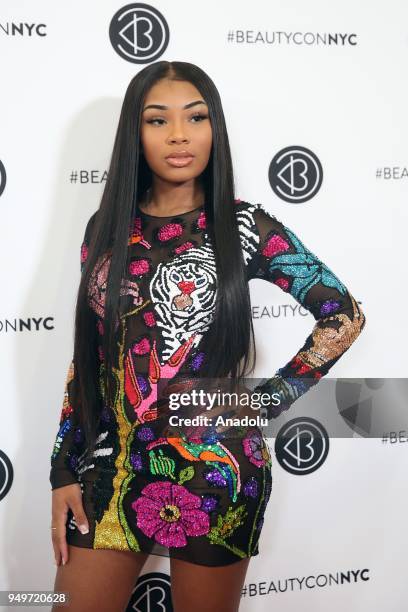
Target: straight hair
{"points": [[229, 342]]}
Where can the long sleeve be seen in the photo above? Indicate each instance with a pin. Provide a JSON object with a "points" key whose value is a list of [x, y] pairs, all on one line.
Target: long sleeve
{"points": [[68, 444], [281, 258]]}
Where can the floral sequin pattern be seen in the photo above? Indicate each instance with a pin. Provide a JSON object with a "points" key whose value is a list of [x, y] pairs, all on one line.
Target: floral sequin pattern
{"points": [[255, 448], [201, 498], [169, 513], [98, 282], [282, 259]]}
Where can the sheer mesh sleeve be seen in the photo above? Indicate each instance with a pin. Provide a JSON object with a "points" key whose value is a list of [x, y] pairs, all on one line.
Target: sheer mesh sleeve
{"points": [[68, 441], [282, 258]]}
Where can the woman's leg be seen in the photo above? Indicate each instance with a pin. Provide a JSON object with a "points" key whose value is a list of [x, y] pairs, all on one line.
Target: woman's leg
{"points": [[98, 580], [204, 589]]}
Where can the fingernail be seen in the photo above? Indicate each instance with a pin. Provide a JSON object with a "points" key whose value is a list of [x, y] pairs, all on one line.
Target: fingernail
{"points": [[63, 562], [83, 529]]}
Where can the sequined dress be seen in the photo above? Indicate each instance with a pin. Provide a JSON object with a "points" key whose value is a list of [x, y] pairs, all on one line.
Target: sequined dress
{"points": [[202, 501]]}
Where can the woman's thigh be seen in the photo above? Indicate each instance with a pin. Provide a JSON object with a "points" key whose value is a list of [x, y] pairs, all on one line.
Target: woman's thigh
{"points": [[98, 580], [204, 589]]}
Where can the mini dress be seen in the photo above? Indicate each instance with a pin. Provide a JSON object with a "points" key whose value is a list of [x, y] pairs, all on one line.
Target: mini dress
{"points": [[200, 499]]}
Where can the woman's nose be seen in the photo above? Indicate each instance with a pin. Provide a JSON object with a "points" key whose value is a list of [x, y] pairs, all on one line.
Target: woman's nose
{"points": [[177, 133]]}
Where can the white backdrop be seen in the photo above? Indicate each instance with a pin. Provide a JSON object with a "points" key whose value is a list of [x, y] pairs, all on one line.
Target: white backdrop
{"points": [[332, 79]]}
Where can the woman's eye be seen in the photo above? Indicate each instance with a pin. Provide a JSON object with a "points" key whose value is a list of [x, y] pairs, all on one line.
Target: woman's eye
{"points": [[153, 120], [198, 116]]}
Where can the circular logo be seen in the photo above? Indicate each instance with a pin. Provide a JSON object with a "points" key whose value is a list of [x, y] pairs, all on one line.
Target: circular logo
{"points": [[301, 445], [373, 406], [6, 475], [139, 33], [295, 174], [152, 592], [2, 178]]}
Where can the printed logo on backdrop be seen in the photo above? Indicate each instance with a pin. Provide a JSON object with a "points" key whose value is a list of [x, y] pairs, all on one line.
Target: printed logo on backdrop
{"points": [[3, 177], [295, 174], [374, 407], [139, 33], [28, 324], [277, 311], [6, 474], [285, 38], [152, 592], [23, 29], [388, 173], [88, 177], [302, 445], [324, 579]]}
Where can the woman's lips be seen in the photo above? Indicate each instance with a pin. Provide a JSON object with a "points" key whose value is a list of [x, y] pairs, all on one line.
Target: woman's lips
{"points": [[179, 162]]}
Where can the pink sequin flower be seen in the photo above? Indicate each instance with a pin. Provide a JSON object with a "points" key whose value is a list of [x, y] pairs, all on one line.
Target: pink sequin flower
{"points": [[169, 513], [137, 227], [201, 221], [84, 253], [139, 266], [183, 247], [283, 283], [254, 448], [149, 318], [169, 231], [276, 244], [141, 347]]}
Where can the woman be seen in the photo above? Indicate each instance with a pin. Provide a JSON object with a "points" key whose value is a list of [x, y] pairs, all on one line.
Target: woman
{"points": [[164, 294]]}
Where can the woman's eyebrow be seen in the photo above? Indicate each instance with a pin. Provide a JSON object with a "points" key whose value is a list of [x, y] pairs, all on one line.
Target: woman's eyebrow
{"points": [[163, 107]]}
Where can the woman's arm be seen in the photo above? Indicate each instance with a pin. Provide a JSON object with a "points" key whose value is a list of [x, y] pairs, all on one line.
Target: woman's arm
{"points": [[68, 444], [281, 258]]}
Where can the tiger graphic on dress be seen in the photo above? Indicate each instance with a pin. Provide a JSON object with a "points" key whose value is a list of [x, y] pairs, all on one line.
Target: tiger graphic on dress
{"points": [[183, 294]]}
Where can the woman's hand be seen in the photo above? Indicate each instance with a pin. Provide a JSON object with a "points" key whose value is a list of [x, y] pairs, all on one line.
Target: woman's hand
{"points": [[63, 499]]}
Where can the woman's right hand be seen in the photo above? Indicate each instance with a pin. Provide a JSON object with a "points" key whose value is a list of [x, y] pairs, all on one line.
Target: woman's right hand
{"points": [[63, 499]]}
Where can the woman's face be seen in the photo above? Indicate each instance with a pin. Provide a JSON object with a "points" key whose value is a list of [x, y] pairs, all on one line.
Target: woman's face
{"points": [[168, 127]]}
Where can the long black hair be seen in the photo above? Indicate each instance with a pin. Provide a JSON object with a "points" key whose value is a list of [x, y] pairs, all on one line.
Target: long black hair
{"points": [[227, 344]]}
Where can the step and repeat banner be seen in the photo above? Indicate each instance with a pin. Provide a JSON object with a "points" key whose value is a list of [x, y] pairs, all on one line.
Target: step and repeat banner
{"points": [[315, 96]]}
